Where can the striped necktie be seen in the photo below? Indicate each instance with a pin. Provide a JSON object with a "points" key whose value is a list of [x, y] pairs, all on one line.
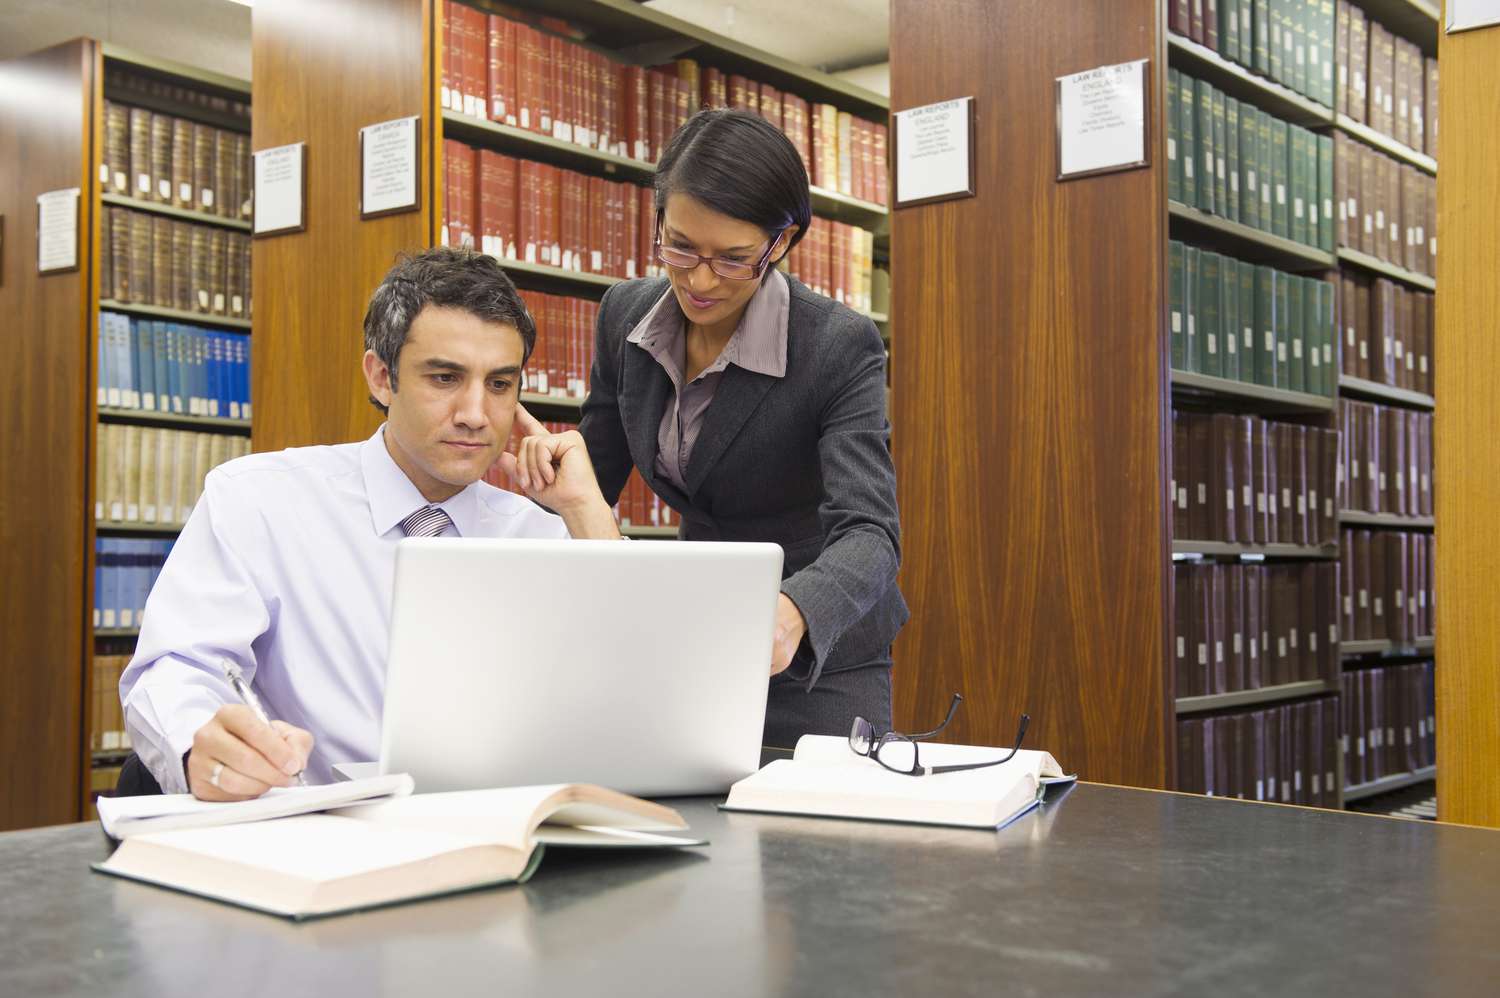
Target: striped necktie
{"points": [[429, 521]]}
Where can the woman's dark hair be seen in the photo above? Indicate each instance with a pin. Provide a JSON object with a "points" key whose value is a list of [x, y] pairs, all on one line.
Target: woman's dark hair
{"points": [[740, 165], [447, 277]]}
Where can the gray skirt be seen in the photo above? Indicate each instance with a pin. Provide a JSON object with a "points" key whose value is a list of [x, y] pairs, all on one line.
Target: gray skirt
{"points": [[829, 708]]}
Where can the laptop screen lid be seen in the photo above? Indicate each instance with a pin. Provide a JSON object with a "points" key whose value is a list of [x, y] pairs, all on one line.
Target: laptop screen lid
{"points": [[640, 666]]}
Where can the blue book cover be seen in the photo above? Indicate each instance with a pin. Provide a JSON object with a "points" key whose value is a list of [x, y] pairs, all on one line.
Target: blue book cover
{"points": [[159, 366], [119, 339], [210, 372], [190, 370], [98, 587], [145, 363], [174, 366], [126, 337], [217, 405], [200, 370], [108, 582], [246, 380], [135, 577], [242, 355], [105, 372]]}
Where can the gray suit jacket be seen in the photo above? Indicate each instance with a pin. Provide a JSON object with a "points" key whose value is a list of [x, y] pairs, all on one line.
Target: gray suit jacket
{"points": [[802, 461]]}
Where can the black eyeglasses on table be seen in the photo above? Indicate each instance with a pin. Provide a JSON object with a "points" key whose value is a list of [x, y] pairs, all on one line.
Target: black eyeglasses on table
{"points": [[898, 752]]}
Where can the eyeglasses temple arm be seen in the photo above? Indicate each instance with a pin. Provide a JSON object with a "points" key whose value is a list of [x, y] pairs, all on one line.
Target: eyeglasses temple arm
{"points": [[952, 709]]}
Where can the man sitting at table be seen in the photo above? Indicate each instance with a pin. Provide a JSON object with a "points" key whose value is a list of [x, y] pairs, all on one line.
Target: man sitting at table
{"points": [[285, 567]]}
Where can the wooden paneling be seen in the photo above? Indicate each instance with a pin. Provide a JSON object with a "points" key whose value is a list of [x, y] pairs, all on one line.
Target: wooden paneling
{"points": [[45, 144], [1030, 399], [323, 71], [1467, 477]]}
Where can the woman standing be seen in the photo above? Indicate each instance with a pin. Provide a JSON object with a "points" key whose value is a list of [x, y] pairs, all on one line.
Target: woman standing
{"points": [[757, 410]]}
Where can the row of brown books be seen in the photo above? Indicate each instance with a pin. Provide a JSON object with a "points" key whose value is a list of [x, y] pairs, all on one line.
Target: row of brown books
{"points": [[638, 506], [106, 717], [1286, 754], [147, 474], [1385, 81], [1245, 480], [516, 209], [837, 261], [1385, 208], [1387, 332], [564, 353], [1389, 717], [517, 74], [132, 87], [1244, 627], [172, 160], [150, 259], [1385, 586], [1387, 459]]}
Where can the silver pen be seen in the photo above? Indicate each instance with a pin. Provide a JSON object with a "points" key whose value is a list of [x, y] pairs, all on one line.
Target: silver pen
{"points": [[243, 691]]}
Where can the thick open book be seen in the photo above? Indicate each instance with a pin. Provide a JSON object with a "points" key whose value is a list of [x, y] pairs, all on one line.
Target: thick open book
{"points": [[393, 850], [825, 778]]}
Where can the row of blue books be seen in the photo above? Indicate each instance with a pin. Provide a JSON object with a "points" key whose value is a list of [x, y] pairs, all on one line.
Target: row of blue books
{"points": [[125, 569], [159, 366]]}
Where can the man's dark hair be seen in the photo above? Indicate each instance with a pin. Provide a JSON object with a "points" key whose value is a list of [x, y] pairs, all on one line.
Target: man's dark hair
{"points": [[740, 165], [448, 278]]}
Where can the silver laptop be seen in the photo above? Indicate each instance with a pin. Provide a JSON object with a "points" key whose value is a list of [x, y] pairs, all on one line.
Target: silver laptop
{"points": [[639, 666]]}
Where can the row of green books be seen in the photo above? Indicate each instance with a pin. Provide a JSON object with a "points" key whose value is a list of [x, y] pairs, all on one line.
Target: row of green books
{"points": [[1290, 42], [1232, 319], [1231, 159]]}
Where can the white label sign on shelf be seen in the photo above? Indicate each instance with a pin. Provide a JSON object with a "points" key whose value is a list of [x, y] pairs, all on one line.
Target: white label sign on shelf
{"points": [[934, 152], [1101, 120], [57, 230], [388, 167], [279, 187], [1464, 15]]}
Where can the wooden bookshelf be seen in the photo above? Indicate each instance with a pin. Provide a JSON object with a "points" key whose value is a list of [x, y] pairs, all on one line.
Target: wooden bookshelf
{"points": [[1375, 391], [1246, 243], [1382, 647], [127, 528], [1254, 698], [1386, 144], [1247, 396], [1414, 20], [654, 37], [176, 421], [1185, 550], [650, 533], [1359, 518], [52, 137], [555, 278], [1467, 495], [171, 211], [157, 312], [1374, 265], [531, 400], [527, 144], [1235, 80], [1386, 784], [117, 632]]}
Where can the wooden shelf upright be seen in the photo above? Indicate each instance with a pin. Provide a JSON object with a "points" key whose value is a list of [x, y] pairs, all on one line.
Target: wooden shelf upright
{"points": [[52, 129]]}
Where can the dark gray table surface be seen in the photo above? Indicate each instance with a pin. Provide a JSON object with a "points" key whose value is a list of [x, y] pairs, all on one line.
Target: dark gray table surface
{"points": [[1107, 891]]}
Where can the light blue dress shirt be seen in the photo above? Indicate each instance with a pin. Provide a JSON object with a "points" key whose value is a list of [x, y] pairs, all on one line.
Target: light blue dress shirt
{"points": [[286, 567]]}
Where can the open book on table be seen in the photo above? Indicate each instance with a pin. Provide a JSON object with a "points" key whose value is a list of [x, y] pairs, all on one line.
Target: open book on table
{"points": [[824, 777], [396, 849]]}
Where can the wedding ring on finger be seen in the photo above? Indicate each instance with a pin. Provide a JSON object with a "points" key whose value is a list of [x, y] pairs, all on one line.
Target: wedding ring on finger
{"points": [[214, 774]]}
